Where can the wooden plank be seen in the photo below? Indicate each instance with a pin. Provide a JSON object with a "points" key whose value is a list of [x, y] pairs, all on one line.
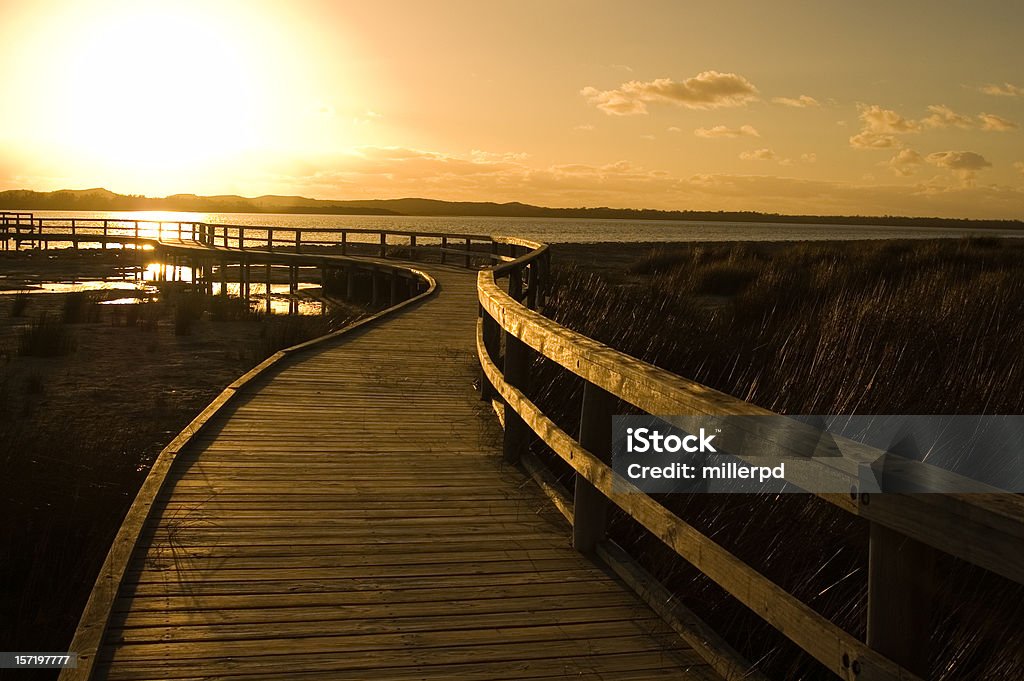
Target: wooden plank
{"points": [[532, 603], [564, 655], [590, 612], [472, 643], [453, 591]]}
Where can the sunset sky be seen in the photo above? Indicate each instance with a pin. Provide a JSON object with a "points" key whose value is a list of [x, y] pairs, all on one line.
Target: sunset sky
{"points": [[801, 107]]}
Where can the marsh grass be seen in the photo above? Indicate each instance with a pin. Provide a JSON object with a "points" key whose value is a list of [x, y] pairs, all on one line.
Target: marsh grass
{"points": [[278, 332], [46, 337], [188, 309], [81, 307], [230, 309], [922, 327], [19, 305]]}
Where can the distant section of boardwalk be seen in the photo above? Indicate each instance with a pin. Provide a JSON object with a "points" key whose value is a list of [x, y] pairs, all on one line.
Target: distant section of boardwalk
{"points": [[350, 518]]}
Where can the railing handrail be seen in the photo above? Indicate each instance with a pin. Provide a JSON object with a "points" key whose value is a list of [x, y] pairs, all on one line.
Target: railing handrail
{"points": [[985, 527]]}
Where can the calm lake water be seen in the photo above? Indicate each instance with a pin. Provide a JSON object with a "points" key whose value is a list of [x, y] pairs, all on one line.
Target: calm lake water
{"points": [[553, 230]]}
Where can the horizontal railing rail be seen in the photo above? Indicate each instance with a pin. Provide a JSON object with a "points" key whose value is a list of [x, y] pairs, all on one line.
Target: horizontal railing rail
{"points": [[984, 527]]}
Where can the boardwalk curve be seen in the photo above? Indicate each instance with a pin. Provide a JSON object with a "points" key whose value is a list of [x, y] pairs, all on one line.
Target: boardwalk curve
{"points": [[348, 516]]}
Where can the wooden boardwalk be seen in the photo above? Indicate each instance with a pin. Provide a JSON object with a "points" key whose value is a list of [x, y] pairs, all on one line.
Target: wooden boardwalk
{"points": [[349, 517]]}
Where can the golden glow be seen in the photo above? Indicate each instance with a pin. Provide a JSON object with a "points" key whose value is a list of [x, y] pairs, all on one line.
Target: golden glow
{"points": [[162, 96], [156, 87]]}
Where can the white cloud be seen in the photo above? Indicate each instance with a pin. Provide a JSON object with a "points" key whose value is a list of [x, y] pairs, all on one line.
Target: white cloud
{"points": [[707, 90], [994, 123], [1019, 165], [879, 128], [803, 101], [674, 129], [479, 156], [724, 131], [905, 162], [585, 127], [1004, 90], [964, 164], [958, 160], [944, 117], [758, 155], [876, 119], [809, 158], [873, 140]]}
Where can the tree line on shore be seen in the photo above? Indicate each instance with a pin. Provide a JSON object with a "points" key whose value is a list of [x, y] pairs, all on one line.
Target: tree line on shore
{"points": [[105, 200]]}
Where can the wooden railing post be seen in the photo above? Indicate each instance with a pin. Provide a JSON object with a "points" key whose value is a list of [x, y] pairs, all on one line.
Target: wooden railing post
{"points": [[444, 246], [543, 275], [532, 281], [241, 238], [377, 288], [269, 286], [344, 243], [469, 247], [492, 342], [293, 288], [245, 274], [516, 373], [270, 239], [395, 293], [901, 590], [383, 244], [298, 241], [412, 247], [590, 507]]}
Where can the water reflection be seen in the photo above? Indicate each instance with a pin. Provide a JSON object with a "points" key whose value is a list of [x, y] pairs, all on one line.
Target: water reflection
{"points": [[145, 284]]}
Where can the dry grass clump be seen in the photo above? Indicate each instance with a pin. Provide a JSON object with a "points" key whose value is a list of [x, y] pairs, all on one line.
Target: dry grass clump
{"points": [[81, 307], [46, 337], [19, 304]]}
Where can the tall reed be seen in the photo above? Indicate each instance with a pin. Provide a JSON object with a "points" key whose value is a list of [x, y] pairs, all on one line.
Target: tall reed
{"points": [[868, 327]]}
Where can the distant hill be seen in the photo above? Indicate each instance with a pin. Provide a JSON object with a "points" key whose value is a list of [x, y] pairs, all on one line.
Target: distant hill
{"points": [[102, 199]]}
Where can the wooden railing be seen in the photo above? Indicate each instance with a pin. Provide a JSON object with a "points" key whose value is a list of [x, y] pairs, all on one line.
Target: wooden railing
{"points": [[983, 527], [465, 249], [12, 222], [205, 246]]}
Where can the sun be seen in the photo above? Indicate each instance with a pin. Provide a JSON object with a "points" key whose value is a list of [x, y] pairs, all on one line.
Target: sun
{"points": [[146, 92]]}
